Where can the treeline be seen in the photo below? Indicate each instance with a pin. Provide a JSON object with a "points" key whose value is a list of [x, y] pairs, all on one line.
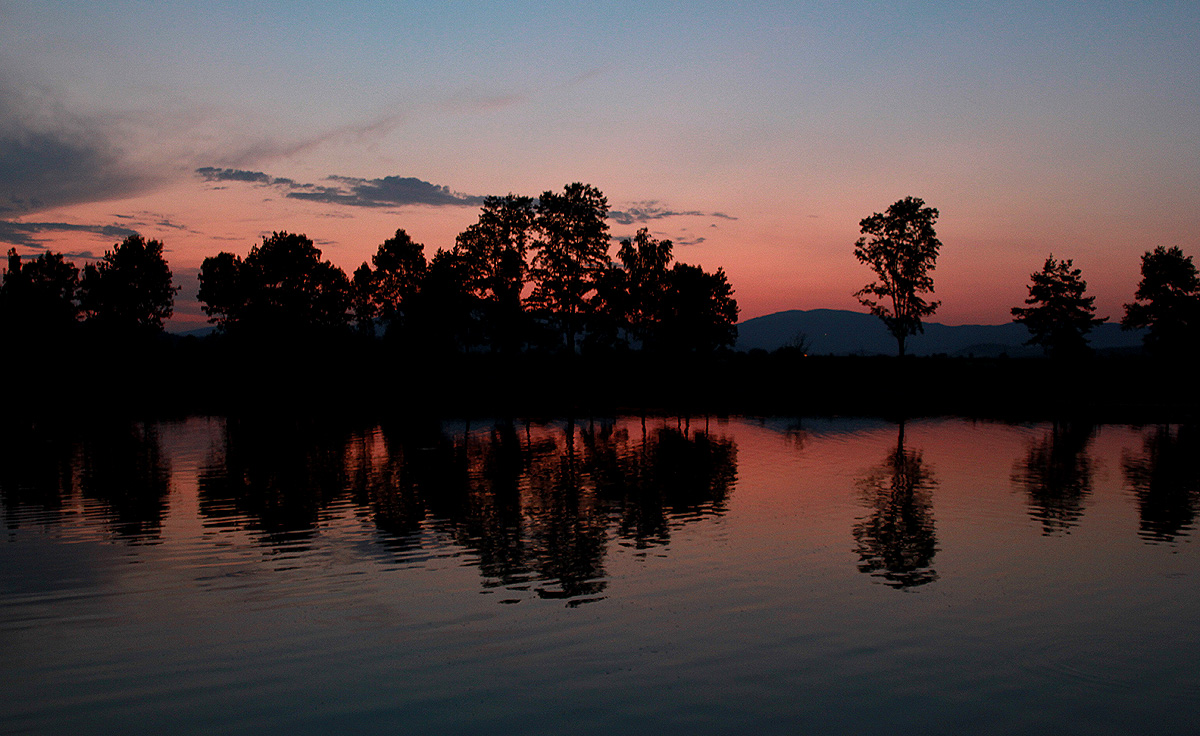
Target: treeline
{"points": [[528, 276]]}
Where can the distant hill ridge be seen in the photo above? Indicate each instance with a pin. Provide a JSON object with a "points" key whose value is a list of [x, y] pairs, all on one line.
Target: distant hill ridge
{"points": [[842, 332]]}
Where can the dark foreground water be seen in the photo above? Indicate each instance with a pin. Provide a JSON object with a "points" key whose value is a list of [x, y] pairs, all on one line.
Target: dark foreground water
{"points": [[844, 576]]}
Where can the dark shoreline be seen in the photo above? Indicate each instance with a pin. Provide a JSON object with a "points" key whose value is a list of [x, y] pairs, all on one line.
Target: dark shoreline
{"points": [[182, 377]]}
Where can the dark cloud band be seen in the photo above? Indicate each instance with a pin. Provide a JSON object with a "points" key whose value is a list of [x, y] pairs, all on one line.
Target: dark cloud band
{"points": [[24, 233], [389, 191]]}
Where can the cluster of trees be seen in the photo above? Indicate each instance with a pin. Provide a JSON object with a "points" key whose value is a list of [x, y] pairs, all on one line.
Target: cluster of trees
{"points": [[127, 293], [1167, 304], [527, 274], [901, 247]]}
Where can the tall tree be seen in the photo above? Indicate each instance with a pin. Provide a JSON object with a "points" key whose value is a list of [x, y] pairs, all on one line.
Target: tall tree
{"points": [[130, 289], [362, 299], [901, 246], [571, 252], [282, 287], [1059, 316], [387, 291], [493, 255], [645, 262], [1167, 302]]}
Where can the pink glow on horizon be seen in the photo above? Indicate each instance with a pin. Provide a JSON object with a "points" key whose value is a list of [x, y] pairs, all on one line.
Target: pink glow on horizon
{"points": [[775, 261]]}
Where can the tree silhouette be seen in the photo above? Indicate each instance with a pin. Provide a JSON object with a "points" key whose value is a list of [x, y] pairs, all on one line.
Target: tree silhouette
{"points": [[699, 313], [37, 298], [387, 292], [362, 299], [607, 324], [444, 308], [1059, 316], [679, 309], [645, 265], [493, 252], [282, 287], [901, 246], [129, 290], [571, 252], [1167, 302]]}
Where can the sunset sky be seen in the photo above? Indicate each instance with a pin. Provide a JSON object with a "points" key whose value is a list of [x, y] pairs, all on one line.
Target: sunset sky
{"points": [[754, 135]]}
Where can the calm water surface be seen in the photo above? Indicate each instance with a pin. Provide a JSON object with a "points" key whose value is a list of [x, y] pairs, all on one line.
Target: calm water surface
{"points": [[661, 575]]}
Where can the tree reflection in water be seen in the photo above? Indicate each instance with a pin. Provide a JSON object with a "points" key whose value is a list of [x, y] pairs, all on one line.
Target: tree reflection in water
{"points": [[1056, 475], [37, 471], [117, 468], [124, 468], [274, 475], [1165, 479], [536, 504], [897, 539]]}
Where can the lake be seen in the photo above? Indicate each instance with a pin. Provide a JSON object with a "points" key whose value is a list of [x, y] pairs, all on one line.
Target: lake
{"points": [[637, 575]]}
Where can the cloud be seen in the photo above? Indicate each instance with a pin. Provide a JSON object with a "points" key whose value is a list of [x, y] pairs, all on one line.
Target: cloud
{"points": [[683, 240], [24, 233], [149, 220], [389, 191], [212, 173], [50, 156], [653, 210], [268, 148]]}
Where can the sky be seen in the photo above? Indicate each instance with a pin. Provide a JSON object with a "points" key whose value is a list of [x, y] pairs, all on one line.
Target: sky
{"points": [[755, 136]]}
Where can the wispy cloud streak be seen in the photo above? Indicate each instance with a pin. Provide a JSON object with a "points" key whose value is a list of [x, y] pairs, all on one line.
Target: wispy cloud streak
{"points": [[653, 210]]}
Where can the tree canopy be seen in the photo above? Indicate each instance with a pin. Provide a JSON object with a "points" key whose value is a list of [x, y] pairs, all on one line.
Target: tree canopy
{"points": [[386, 292], [572, 251], [1059, 316], [129, 290], [282, 286], [493, 255], [699, 313], [1167, 302], [901, 247], [645, 265], [38, 297]]}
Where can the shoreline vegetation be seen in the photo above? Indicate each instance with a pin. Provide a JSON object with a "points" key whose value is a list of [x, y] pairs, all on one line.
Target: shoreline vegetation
{"points": [[354, 376]]}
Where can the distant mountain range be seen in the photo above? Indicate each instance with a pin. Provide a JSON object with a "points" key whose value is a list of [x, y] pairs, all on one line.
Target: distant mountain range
{"points": [[841, 332], [197, 331]]}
